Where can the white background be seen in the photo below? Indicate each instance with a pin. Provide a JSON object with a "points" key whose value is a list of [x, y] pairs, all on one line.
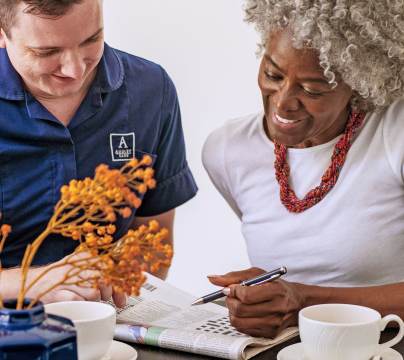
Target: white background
{"points": [[209, 53]]}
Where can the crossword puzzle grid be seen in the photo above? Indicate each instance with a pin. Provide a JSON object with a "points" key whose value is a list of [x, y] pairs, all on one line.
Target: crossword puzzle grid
{"points": [[219, 326]]}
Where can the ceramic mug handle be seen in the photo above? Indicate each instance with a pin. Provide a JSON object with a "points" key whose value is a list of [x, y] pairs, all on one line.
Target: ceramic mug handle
{"points": [[398, 337]]}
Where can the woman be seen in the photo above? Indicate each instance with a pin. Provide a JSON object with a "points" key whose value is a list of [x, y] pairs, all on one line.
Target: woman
{"points": [[317, 178]]}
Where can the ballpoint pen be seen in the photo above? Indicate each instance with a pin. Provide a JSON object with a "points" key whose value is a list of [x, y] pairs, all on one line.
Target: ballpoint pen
{"points": [[260, 279]]}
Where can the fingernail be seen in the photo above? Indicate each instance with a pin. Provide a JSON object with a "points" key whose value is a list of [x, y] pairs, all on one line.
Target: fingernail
{"points": [[212, 276], [226, 291]]}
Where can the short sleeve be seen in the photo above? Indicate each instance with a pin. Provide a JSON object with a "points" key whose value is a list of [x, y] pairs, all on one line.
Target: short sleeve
{"points": [[393, 133], [214, 162], [175, 182]]}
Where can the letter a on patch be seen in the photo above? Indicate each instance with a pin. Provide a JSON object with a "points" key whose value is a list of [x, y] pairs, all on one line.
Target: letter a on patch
{"points": [[122, 146]]}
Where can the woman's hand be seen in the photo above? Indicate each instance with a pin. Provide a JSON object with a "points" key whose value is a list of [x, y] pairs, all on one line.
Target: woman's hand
{"points": [[261, 310]]}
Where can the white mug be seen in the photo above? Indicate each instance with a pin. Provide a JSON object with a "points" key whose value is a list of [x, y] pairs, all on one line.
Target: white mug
{"points": [[94, 323], [344, 332]]}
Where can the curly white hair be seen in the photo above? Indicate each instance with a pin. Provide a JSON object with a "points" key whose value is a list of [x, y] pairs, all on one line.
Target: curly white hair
{"points": [[361, 40]]}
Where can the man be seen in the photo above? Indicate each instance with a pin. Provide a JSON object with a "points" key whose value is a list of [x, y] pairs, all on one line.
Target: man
{"points": [[69, 102]]}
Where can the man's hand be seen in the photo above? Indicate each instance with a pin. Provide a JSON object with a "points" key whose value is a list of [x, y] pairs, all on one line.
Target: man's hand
{"points": [[69, 292], [262, 310]]}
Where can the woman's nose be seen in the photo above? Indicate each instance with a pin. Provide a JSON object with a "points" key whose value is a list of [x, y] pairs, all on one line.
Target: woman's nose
{"points": [[285, 99]]}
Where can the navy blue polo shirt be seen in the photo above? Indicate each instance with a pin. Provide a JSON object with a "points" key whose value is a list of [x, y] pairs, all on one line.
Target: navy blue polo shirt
{"points": [[130, 109]]}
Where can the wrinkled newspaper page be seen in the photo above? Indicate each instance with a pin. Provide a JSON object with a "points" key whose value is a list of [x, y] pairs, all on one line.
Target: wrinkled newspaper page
{"points": [[163, 316]]}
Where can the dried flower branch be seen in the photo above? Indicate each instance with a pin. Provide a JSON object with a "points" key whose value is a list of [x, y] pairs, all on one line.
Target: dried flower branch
{"points": [[4, 232], [119, 264], [86, 213]]}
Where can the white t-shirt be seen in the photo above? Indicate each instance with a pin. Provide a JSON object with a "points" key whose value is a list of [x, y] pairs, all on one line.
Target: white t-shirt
{"points": [[353, 237]]}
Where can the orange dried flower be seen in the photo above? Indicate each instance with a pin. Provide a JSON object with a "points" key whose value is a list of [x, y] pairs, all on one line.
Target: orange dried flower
{"points": [[111, 229], [5, 230], [147, 160], [125, 212], [86, 212]]}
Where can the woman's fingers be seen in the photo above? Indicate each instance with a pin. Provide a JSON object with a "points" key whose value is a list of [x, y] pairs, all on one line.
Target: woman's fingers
{"points": [[235, 277], [237, 308], [220, 280], [264, 310], [256, 294], [266, 326]]}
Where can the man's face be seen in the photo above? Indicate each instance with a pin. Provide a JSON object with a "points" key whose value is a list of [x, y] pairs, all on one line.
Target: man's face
{"points": [[56, 58]]}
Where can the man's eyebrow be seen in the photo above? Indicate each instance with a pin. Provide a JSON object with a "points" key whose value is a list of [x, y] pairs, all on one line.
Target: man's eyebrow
{"points": [[98, 32], [307, 79]]}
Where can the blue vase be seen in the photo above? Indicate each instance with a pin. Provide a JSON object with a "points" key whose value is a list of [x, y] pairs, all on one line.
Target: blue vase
{"points": [[33, 335]]}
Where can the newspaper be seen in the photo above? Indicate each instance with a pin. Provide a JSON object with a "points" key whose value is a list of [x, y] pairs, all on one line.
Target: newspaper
{"points": [[162, 316]]}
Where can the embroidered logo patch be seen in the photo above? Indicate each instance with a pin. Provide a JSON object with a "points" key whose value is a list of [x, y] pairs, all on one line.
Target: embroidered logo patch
{"points": [[122, 146]]}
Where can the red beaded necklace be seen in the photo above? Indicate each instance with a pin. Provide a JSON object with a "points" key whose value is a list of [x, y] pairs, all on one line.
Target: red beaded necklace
{"points": [[328, 180]]}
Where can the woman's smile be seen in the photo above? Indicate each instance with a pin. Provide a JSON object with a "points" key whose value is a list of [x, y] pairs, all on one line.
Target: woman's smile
{"points": [[283, 122]]}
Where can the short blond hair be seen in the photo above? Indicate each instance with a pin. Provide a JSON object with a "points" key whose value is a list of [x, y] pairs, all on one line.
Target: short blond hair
{"points": [[51, 8]]}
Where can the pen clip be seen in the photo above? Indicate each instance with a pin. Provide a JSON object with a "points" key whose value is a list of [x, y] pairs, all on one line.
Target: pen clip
{"points": [[272, 278]]}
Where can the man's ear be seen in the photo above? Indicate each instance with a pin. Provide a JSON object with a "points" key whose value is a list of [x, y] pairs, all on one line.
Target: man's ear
{"points": [[2, 38]]}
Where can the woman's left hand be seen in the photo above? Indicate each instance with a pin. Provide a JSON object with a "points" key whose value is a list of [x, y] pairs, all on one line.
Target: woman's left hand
{"points": [[262, 310]]}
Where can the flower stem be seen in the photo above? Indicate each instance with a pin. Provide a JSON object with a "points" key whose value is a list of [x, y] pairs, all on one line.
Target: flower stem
{"points": [[52, 267], [3, 240], [54, 286]]}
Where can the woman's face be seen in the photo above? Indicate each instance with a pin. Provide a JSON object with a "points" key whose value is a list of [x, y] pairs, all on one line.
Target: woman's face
{"points": [[301, 107]]}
